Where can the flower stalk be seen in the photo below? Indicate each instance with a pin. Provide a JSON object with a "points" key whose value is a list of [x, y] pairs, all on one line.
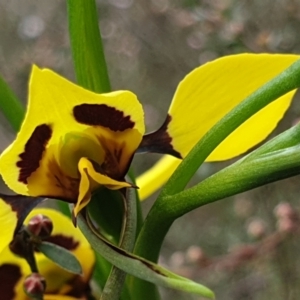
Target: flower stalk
{"points": [[114, 284]]}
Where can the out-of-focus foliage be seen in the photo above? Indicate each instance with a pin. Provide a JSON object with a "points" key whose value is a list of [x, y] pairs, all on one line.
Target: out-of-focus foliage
{"points": [[150, 45]]}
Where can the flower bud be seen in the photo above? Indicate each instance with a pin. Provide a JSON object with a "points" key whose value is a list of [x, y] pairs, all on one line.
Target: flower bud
{"points": [[34, 285], [40, 226]]}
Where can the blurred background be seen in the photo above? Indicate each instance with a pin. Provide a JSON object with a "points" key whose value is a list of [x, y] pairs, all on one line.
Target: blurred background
{"points": [[245, 247]]}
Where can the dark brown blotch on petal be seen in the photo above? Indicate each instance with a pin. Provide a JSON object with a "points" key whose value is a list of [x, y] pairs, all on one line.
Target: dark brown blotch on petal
{"points": [[102, 115], [64, 241], [159, 141], [34, 148], [79, 289], [9, 277]]}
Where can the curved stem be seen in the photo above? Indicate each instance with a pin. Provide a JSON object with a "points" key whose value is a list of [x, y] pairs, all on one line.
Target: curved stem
{"points": [[114, 285]]}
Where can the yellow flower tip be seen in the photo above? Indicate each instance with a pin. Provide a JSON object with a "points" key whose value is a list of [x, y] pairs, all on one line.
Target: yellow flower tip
{"points": [[91, 178]]}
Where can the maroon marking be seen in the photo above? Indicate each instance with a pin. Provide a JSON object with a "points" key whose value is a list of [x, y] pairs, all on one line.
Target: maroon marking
{"points": [[63, 241], [9, 277], [34, 148], [79, 288], [102, 115], [159, 141]]}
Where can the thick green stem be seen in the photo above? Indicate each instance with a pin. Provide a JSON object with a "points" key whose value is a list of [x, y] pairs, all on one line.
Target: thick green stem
{"points": [[114, 285], [239, 178]]}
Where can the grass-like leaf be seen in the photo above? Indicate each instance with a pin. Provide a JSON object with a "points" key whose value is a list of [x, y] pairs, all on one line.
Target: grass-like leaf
{"points": [[11, 106], [86, 44]]}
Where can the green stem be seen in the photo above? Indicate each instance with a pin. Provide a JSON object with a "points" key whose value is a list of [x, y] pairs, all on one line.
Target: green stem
{"points": [[87, 47], [239, 178], [163, 212], [114, 285], [11, 106], [140, 219], [277, 159]]}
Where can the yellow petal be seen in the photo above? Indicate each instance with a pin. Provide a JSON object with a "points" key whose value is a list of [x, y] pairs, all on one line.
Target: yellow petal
{"points": [[12, 286], [209, 92], [57, 107], [8, 221], [155, 177], [13, 210], [206, 95], [59, 297], [90, 180]]}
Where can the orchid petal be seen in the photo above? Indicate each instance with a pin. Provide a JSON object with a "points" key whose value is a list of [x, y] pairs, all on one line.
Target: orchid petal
{"points": [[224, 84], [8, 221], [152, 179], [206, 95], [89, 180]]}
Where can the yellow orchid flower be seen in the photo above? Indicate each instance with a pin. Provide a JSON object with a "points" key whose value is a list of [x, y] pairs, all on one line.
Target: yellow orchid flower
{"points": [[60, 284], [74, 141]]}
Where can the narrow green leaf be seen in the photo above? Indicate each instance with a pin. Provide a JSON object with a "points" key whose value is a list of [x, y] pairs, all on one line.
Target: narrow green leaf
{"points": [[86, 44], [61, 256], [11, 106], [138, 266]]}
